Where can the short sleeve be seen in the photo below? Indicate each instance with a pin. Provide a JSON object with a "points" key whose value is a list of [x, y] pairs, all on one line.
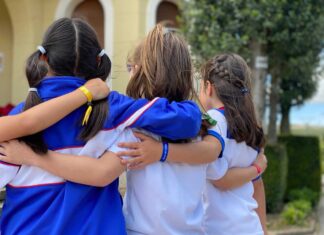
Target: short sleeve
{"points": [[219, 131], [155, 116], [217, 169], [7, 173], [18, 109]]}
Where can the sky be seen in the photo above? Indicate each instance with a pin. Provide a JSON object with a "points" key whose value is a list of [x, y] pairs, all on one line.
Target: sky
{"points": [[312, 112]]}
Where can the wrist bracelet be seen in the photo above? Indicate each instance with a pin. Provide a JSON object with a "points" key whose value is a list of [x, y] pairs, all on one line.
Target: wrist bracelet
{"points": [[258, 168], [87, 114], [165, 151]]}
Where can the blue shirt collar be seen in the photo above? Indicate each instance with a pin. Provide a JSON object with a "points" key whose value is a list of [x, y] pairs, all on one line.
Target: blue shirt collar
{"points": [[51, 87]]}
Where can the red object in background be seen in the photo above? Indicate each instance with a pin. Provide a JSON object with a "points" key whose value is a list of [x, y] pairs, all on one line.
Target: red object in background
{"points": [[6, 109]]}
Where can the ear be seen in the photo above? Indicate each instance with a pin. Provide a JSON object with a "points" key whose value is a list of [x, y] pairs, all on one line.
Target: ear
{"points": [[209, 88]]}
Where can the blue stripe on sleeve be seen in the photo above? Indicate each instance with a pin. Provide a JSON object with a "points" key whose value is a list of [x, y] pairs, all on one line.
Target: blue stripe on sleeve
{"points": [[220, 138]]}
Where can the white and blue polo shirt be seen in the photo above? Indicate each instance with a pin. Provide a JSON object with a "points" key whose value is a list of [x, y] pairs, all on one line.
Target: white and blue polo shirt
{"points": [[38, 202], [231, 211]]}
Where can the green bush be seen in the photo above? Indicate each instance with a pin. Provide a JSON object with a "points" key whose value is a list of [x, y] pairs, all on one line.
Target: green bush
{"points": [[303, 194], [304, 168], [295, 212], [322, 154], [275, 177]]}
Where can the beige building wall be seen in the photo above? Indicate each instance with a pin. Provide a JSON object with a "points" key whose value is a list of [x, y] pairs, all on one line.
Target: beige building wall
{"points": [[126, 23], [6, 37], [127, 34]]}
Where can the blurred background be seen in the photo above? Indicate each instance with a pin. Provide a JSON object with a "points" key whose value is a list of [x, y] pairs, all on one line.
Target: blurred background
{"points": [[120, 24], [282, 41]]}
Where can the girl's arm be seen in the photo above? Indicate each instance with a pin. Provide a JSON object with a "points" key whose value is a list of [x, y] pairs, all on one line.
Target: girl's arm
{"points": [[259, 196], [80, 169], [236, 177], [149, 151], [172, 120], [46, 114]]}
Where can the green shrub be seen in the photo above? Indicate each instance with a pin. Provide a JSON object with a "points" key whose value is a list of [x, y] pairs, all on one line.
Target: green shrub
{"points": [[275, 177], [295, 212], [304, 168], [322, 154], [303, 194]]}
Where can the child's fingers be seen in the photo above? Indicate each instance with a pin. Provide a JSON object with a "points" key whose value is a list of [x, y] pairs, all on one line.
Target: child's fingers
{"points": [[133, 161], [2, 158], [4, 144], [137, 167], [123, 162], [130, 145], [265, 159], [141, 136], [129, 153], [2, 150]]}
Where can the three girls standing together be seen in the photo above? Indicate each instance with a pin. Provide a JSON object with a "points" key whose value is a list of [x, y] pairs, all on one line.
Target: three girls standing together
{"points": [[65, 179]]}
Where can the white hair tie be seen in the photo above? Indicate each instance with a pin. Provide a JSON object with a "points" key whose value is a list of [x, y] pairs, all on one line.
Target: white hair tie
{"points": [[102, 52], [33, 89], [41, 49]]}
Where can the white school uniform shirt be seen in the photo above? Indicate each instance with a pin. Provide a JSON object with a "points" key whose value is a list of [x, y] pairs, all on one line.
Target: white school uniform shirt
{"points": [[165, 198], [230, 212]]}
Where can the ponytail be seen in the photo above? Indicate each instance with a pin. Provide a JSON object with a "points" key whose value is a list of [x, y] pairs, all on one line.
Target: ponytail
{"points": [[100, 108], [36, 70], [71, 48]]}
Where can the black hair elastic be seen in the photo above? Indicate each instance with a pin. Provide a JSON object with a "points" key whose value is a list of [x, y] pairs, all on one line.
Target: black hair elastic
{"points": [[244, 90]]}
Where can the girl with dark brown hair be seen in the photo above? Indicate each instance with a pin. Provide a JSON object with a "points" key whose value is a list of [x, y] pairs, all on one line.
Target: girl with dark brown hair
{"points": [[225, 90], [40, 202]]}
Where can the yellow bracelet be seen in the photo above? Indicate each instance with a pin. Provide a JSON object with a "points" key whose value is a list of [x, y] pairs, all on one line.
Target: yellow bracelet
{"points": [[87, 93], [87, 114]]}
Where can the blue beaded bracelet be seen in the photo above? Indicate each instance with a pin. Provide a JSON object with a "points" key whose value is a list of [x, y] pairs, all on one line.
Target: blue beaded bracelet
{"points": [[165, 151]]}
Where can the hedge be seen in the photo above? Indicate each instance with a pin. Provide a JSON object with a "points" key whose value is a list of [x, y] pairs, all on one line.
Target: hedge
{"points": [[275, 177], [304, 168]]}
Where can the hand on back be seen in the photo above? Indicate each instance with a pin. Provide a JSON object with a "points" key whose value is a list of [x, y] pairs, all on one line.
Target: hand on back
{"points": [[140, 154], [17, 152]]}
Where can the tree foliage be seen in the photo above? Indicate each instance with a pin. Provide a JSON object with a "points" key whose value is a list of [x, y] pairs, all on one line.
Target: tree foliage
{"points": [[290, 32]]}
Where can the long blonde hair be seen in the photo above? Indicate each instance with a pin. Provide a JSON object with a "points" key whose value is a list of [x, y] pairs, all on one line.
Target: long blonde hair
{"points": [[164, 67]]}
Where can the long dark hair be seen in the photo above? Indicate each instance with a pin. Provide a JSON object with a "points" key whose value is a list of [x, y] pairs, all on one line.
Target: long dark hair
{"points": [[231, 77], [72, 49]]}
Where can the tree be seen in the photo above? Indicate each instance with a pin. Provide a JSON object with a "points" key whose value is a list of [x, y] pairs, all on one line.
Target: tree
{"points": [[298, 84], [276, 28], [296, 47]]}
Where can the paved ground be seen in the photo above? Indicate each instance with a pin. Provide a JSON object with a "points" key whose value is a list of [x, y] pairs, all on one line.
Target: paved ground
{"points": [[321, 211]]}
